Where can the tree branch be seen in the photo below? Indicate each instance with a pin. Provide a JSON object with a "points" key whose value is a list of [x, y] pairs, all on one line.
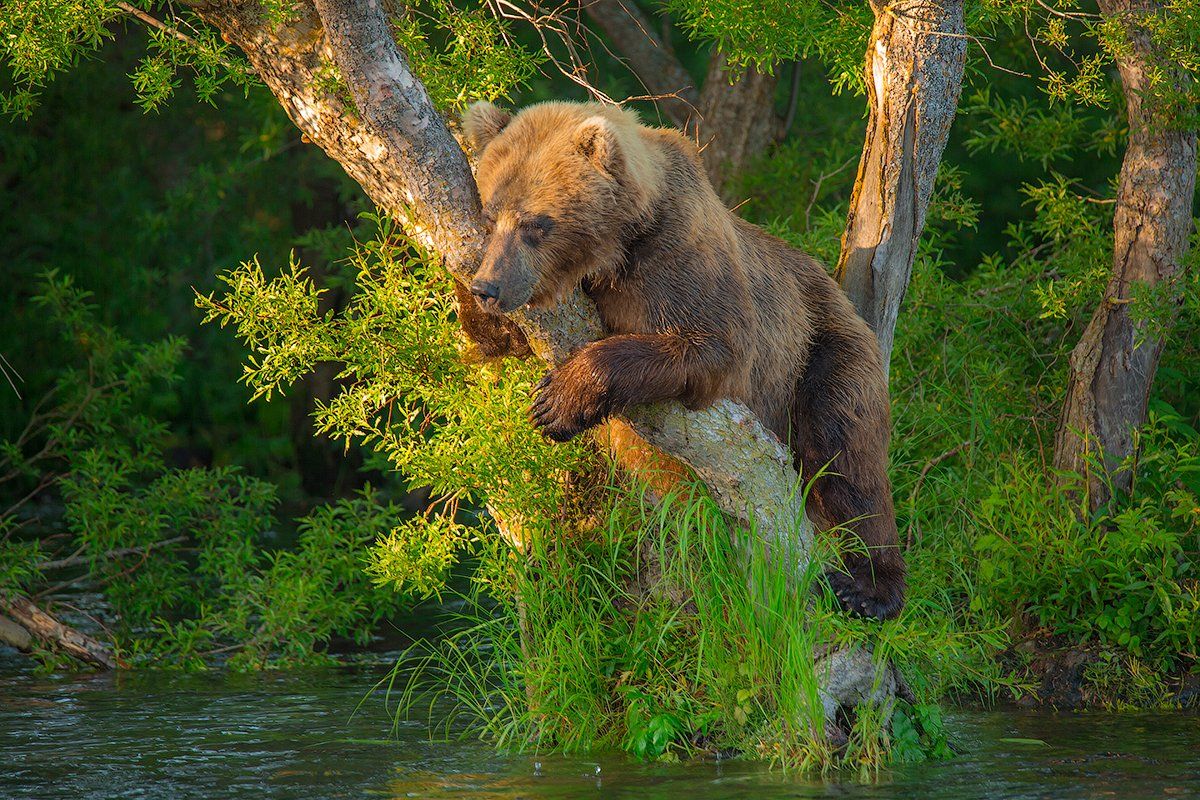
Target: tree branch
{"points": [[169, 30], [77, 558]]}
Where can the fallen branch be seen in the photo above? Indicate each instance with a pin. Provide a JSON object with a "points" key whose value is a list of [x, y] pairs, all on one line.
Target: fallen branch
{"points": [[22, 613]]}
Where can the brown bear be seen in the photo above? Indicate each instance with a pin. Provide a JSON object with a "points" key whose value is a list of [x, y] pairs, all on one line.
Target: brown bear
{"points": [[698, 305]]}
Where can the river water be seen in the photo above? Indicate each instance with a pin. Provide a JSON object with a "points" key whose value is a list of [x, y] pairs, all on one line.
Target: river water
{"points": [[320, 734]]}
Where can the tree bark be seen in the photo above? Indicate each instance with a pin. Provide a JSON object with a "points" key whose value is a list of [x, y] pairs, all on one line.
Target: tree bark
{"points": [[733, 117], [915, 60], [737, 119], [399, 149], [648, 57], [1112, 368]]}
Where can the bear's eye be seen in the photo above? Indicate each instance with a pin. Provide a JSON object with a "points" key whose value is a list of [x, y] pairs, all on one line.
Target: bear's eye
{"points": [[535, 229], [489, 220]]}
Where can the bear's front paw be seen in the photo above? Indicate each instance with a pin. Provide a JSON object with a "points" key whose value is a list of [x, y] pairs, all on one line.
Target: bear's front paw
{"points": [[564, 408], [867, 593]]}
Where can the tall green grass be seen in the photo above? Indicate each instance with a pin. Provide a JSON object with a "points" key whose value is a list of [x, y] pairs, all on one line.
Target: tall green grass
{"points": [[670, 633]]}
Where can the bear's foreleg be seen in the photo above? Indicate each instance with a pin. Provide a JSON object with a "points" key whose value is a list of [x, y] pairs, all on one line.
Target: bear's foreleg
{"points": [[612, 375], [842, 419]]}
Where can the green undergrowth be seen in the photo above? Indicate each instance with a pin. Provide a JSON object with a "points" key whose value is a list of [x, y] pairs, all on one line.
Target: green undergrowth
{"points": [[558, 650], [993, 534], [1007, 541], [976, 386], [194, 566]]}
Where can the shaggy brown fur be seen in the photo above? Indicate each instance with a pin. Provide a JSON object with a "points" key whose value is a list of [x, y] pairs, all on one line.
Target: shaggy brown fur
{"points": [[699, 305]]}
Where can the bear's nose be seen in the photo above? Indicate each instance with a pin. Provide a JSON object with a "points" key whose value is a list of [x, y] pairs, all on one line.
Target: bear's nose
{"points": [[487, 291]]}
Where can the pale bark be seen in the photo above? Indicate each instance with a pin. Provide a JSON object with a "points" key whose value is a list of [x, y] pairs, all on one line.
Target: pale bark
{"points": [[914, 70], [746, 469], [391, 140], [399, 149], [1112, 368], [22, 612]]}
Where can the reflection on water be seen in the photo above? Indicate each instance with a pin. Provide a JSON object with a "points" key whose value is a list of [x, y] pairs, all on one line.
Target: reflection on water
{"points": [[297, 735]]}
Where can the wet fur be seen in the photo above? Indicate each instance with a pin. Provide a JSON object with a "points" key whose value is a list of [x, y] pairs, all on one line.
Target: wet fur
{"points": [[699, 305]]}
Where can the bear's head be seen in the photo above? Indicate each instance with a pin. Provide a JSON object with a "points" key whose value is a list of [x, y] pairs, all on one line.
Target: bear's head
{"points": [[563, 185]]}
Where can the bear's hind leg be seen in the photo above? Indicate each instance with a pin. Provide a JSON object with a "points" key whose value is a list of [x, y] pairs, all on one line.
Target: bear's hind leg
{"points": [[841, 418]]}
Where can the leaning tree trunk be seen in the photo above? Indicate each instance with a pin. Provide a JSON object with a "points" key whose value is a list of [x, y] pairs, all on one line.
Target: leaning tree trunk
{"points": [[914, 70], [399, 149], [1113, 366]]}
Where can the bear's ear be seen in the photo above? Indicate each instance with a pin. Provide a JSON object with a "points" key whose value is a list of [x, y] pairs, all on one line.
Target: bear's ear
{"points": [[483, 122], [596, 138]]}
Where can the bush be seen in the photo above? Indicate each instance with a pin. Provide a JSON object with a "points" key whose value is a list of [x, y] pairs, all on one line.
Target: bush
{"points": [[189, 562], [1127, 577]]}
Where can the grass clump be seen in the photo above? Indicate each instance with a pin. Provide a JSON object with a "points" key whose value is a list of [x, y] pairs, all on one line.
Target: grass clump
{"points": [[669, 633]]}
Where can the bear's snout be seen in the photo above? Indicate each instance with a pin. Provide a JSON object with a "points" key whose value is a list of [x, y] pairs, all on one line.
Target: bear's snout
{"points": [[505, 280], [488, 295]]}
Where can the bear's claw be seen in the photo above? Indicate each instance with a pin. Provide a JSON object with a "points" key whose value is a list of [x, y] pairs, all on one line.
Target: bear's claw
{"points": [[560, 413], [860, 595]]}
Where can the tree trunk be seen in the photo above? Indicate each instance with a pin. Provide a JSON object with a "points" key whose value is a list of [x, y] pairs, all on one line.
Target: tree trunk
{"points": [[733, 118], [737, 119], [1112, 367], [648, 57], [914, 70], [399, 149]]}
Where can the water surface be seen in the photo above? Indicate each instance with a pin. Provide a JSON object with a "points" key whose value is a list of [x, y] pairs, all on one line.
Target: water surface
{"points": [[298, 735]]}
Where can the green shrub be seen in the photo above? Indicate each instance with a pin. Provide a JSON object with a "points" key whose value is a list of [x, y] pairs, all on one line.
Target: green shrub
{"points": [[189, 562], [1127, 577]]}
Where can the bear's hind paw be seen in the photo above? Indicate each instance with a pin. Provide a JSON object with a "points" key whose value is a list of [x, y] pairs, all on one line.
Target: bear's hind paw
{"points": [[862, 596]]}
